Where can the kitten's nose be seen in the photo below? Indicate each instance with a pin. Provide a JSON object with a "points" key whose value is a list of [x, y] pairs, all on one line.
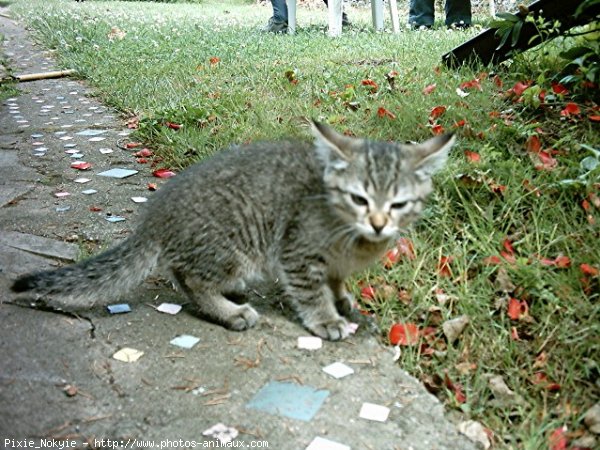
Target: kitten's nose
{"points": [[377, 221]]}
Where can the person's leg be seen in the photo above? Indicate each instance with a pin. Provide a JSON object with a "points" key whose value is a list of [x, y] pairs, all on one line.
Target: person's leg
{"points": [[345, 21], [278, 23], [458, 13], [421, 13]]}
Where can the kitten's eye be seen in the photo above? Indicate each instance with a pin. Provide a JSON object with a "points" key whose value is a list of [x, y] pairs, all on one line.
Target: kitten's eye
{"points": [[398, 205], [358, 200]]}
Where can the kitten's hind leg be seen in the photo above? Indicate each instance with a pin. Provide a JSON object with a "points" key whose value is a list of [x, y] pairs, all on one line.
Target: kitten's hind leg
{"points": [[213, 305]]}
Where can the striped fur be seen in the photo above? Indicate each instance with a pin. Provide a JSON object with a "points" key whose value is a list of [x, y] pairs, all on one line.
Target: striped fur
{"points": [[307, 215]]}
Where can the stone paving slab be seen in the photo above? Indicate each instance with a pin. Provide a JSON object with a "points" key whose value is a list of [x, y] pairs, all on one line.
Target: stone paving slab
{"points": [[58, 377]]}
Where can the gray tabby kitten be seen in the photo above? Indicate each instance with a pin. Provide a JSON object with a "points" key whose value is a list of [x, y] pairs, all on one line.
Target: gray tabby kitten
{"points": [[307, 215]]}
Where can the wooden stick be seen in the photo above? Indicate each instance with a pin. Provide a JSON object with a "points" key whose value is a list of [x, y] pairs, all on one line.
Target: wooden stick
{"points": [[44, 75]]}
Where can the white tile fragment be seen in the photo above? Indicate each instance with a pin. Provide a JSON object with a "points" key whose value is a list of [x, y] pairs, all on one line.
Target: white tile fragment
{"points": [[169, 308], [338, 370], [310, 342], [371, 411], [320, 443], [127, 354]]}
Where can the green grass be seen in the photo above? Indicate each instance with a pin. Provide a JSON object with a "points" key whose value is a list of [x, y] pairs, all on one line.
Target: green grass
{"points": [[161, 71]]}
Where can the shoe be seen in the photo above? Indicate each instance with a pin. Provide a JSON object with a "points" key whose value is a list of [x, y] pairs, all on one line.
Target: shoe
{"points": [[461, 25], [345, 21], [276, 26], [418, 27]]}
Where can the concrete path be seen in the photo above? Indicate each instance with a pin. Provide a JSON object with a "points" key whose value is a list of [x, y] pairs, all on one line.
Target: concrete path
{"points": [[58, 377]]}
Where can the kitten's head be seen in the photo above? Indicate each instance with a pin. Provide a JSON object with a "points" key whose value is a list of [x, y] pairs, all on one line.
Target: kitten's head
{"points": [[378, 188]]}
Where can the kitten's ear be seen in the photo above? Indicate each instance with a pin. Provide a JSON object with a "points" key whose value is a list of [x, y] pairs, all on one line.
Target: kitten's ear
{"points": [[431, 155], [330, 145]]}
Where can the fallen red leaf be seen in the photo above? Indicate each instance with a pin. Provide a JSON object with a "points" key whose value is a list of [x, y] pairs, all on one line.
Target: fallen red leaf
{"points": [[507, 245], [517, 308], [391, 258], [460, 123], [546, 162], [492, 260], [570, 109], [214, 60], [370, 84], [514, 334], [368, 292], [456, 388], [406, 248], [133, 144], [473, 157], [144, 153], [443, 268], [429, 89], [95, 209], [561, 261], [533, 144], [474, 83], [437, 129], [141, 160], [589, 270], [498, 81], [518, 89], [436, 112], [173, 126], [558, 439], [163, 173], [558, 88], [152, 186], [382, 112], [404, 334], [81, 165]]}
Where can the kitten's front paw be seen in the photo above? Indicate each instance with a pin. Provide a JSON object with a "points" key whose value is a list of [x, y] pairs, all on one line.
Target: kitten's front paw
{"points": [[332, 330], [244, 317]]}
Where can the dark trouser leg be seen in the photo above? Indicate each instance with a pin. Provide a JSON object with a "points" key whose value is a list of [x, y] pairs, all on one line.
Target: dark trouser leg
{"points": [[458, 11], [421, 12], [280, 12]]}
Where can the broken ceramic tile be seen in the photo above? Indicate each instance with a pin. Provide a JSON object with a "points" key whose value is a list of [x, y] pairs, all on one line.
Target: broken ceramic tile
{"points": [[61, 194], [37, 135], [81, 165], [105, 151], [118, 173], [169, 308], [90, 132], [185, 341], [371, 411], [66, 138], [119, 308], [71, 151], [76, 155], [70, 145], [69, 111], [96, 139], [37, 143], [60, 133], [41, 149], [62, 208], [114, 219], [338, 370], [320, 443], [291, 400], [127, 354], [222, 433], [82, 180], [139, 199], [310, 342], [89, 191]]}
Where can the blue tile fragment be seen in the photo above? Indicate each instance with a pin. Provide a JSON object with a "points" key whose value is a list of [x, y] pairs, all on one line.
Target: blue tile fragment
{"points": [[119, 309], [185, 341], [289, 400]]}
